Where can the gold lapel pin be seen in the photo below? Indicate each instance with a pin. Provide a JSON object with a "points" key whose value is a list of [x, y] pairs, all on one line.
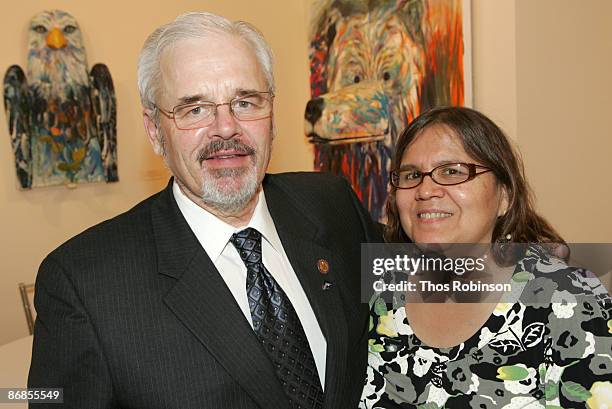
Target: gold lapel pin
{"points": [[323, 266]]}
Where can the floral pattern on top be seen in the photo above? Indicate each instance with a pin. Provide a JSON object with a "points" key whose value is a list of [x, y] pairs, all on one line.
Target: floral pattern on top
{"points": [[554, 352]]}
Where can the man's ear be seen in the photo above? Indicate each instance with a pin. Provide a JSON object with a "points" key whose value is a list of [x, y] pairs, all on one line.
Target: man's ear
{"points": [[153, 131], [273, 126]]}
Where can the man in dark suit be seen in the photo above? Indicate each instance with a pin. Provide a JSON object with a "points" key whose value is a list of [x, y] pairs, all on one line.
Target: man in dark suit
{"points": [[231, 288]]}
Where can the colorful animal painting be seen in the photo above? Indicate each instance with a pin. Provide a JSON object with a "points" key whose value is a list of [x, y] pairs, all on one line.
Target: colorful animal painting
{"points": [[62, 119], [374, 66]]}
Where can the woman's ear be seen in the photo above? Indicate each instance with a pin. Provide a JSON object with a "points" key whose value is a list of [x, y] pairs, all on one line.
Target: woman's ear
{"points": [[504, 201]]}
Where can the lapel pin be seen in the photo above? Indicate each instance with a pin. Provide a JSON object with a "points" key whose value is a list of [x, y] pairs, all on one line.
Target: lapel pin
{"points": [[326, 285], [323, 266]]}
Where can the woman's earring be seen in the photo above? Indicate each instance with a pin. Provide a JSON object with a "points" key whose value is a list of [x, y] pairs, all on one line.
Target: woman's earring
{"points": [[503, 242]]}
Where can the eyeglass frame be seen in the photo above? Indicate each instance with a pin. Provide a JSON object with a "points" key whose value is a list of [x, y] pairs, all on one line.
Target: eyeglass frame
{"points": [[471, 167], [172, 115]]}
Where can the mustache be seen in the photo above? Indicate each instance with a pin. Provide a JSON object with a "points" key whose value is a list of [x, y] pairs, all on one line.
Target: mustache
{"points": [[222, 145]]}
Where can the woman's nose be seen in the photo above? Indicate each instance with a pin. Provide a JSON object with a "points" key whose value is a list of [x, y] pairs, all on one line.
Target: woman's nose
{"points": [[428, 189]]}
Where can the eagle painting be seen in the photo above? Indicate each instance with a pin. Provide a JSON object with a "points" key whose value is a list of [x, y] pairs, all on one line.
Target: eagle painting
{"points": [[61, 119]]}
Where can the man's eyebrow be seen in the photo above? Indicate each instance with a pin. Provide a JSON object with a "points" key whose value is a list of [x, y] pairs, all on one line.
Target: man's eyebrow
{"points": [[242, 92], [190, 99]]}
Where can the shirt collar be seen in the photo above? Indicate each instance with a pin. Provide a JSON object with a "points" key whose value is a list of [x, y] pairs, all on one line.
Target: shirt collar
{"points": [[214, 234], [262, 222]]}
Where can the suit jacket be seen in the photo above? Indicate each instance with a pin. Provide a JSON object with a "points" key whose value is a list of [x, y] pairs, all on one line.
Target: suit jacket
{"points": [[132, 313]]}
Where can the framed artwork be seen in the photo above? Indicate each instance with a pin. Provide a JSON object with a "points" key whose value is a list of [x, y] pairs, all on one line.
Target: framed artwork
{"points": [[375, 66], [61, 118]]}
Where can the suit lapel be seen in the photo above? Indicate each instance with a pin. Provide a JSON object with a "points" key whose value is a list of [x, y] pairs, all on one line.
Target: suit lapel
{"points": [[299, 238], [201, 300]]}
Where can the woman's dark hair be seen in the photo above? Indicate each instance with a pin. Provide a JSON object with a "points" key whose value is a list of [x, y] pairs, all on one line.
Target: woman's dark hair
{"points": [[487, 144]]}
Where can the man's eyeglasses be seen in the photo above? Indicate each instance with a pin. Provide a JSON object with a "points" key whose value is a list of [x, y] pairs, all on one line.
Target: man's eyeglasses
{"points": [[249, 107], [446, 175]]}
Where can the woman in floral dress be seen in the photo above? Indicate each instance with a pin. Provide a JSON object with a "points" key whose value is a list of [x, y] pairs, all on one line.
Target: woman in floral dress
{"points": [[457, 179]]}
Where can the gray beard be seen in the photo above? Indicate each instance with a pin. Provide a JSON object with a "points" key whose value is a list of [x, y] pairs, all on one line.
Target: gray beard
{"points": [[229, 201], [214, 191]]}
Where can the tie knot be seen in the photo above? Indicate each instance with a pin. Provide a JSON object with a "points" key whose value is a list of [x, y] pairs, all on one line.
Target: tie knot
{"points": [[248, 244]]}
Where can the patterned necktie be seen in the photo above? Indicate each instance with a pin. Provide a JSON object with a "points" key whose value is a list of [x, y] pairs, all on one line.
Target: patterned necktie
{"points": [[278, 327]]}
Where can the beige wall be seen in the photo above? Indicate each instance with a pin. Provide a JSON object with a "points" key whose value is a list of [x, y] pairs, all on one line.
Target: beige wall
{"points": [[564, 99], [512, 82], [35, 222], [493, 61]]}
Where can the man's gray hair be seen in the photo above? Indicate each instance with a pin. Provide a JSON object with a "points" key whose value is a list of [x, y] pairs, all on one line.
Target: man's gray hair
{"points": [[195, 25]]}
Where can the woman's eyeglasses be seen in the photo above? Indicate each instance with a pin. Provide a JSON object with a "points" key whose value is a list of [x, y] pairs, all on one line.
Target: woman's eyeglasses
{"points": [[446, 175]]}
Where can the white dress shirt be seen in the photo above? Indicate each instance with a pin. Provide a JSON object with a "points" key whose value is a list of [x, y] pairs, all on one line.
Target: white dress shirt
{"points": [[214, 235]]}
